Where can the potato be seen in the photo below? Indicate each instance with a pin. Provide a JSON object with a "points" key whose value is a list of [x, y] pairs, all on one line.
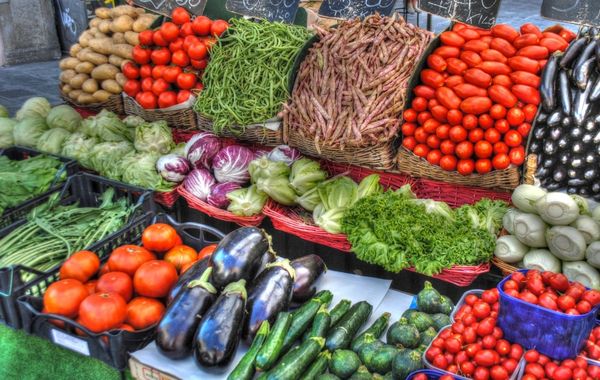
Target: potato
{"points": [[121, 24], [85, 67], [123, 51], [132, 38], [66, 89], [105, 71], [93, 30], [85, 99], [104, 26], [68, 63], [124, 10], [103, 12], [111, 86], [77, 81], [119, 38], [140, 11], [76, 48], [102, 45], [100, 35], [95, 22], [90, 86], [67, 75], [88, 55], [74, 94], [101, 96], [115, 60], [84, 38], [121, 79], [143, 22]]}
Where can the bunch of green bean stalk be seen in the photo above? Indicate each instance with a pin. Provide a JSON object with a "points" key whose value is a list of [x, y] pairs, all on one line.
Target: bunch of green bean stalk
{"points": [[53, 232], [246, 81]]}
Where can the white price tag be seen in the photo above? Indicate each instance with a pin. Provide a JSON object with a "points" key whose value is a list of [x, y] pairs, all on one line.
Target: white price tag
{"points": [[70, 342]]}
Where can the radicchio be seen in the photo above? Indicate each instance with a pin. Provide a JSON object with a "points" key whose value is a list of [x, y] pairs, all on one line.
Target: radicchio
{"points": [[218, 195], [284, 153], [201, 149], [231, 164], [199, 182], [172, 167]]}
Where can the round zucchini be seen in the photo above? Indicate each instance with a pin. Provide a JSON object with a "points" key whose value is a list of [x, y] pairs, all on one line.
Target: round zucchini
{"points": [[382, 360], [429, 300], [403, 333], [420, 320], [406, 362], [440, 321], [344, 363]]}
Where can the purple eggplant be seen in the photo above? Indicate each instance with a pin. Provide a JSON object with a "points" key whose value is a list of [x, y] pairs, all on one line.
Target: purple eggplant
{"points": [[573, 51], [219, 332], [270, 293], [548, 83], [238, 255], [175, 332], [308, 270], [266, 259], [193, 272]]}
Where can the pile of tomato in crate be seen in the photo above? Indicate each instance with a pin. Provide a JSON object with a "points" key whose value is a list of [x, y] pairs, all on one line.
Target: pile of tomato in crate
{"points": [[487, 339]]}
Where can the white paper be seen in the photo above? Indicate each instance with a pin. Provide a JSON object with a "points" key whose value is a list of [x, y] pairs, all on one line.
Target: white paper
{"points": [[342, 285], [395, 303]]}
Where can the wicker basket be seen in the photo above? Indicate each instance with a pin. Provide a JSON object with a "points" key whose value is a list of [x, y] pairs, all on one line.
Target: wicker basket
{"points": [[254, 134], [410, 164], [505, 267], [456, 195], [166, 198], [184, 119], [218, 213], [461, 275], [530, 169], [113, 104]]}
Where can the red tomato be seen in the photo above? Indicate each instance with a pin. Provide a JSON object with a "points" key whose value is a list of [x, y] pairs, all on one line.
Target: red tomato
{"points": [[454, 117], [447, 147], [501, 161], [102, 312], [158, 39], [423, 117], [218, 27], [465, 167], [530, 110], [176, 45], [171, 73], [141, 55], [464, 149], [147, 100], [486, 121], [517, 155], [483, 166], [180, 16], [63, 297], [408, 129], [499, 373], [180, 58], [497, 112], [485, 358], [186, 30], [419, 104], [433, 141], [409, 143], [160, 237], [131, 71], [197, 51], [189, 41], [155, 279], [443, 131], [145, 37], [458, 133], [513, 138], [116, 282], [434, 156], [470, 121], [181, 255], [483, 149], [515, 116], [475, 135], [167, 99], [410, 115], [81, 266], [502, 125], [144, 312], [147, 84], [492, 135], [186, 81], [448, 162], [128, 258], [161, 56], [158, 71], [169, 31], [159, 86], [201, 25], [146, 71], [524, 129], [421, 150]]}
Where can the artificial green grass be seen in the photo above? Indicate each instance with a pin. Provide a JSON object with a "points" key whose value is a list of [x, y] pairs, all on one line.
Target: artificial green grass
{"points": [[27, 357]]}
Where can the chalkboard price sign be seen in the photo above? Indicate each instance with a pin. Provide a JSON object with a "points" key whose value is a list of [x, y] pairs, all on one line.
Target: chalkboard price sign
{"points": [[72, 21], [348, 9], [480, 13], [272, 10], [165, 7], [574, 11]]}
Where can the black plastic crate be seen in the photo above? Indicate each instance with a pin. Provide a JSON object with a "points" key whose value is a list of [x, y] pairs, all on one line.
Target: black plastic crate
{"points": [[19, 153], [110, 347], [87, 190]]}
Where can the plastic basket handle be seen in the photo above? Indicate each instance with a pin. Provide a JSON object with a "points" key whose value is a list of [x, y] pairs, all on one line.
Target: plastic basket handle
{"points": [[59, 173], [202, 228]]}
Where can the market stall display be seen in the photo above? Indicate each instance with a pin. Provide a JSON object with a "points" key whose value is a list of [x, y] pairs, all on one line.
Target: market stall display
{"points": [[350, 90], [475, 101], [92, 76], [248, 79], [566, 138]]}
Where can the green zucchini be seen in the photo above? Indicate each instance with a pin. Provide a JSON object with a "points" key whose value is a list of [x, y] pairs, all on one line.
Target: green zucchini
{"points": [[440, 321], [376, 329], [420, 320], [324, 296], [271, 349], [342, 333], [344, 363], [408, 312], [403, 333], [245, 368], [338, 311], [328, 376], [293, 364], [447, 306], [429, 300], [302, 317], [318, 366], [320, 324], [369, 348], [406, 362], [361, 374], [387, 376], [382, 359], [427, 336]]}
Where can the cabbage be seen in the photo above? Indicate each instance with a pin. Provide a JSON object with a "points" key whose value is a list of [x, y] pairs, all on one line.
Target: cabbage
{"points": [[6, 132], [178, 150], [52, 140], [88, 126], [285, 154], [231, 164], [28, 131], [155, 137], [305, 175], [78, 147], [309, 200], [246, 202], [329, 220], [133, 121], [139, 169], [3, 111], [64, 117], [218, 194], [34, 107], [105, 155], [264, 168], [173, 168], [199, 182], [201, 149], [279, 189], [369, 186], [110, 128], [338, 193]]}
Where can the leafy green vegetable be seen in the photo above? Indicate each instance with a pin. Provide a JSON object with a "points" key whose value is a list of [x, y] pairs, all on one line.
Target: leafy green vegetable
{"points": [[28, 131], [306, 174], [6, 132], [246, 202], [369, 186], [107, 127], [140, 169], [155, 137], [396, 232], [52, 140], [277, 188], [105, 155], [338, 192], [65, 117], [34, 107], [263, 168], [4, 111], [329, 220], [78, 147]]}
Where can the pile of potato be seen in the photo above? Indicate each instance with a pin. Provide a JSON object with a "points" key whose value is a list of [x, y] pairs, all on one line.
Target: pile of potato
{"points": [[92, 73]]}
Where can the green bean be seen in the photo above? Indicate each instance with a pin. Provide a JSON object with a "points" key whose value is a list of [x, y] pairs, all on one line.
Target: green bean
{"points": [[246, 81]]}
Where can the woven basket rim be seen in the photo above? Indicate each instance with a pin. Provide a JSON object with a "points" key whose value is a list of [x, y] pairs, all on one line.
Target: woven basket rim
{"points": [[113, 98]]}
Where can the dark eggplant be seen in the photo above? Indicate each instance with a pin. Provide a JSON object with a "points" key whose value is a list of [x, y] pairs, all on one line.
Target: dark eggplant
{"points": [[555, 133], [571, 190], [550, 147], [271, 292], [572, 173], [543, 172], [590, 158], [584, 192], [577, 148], [548, 83], [539, 132], [542, 117], [596, 138], [586, 54], [534, 147], [175, 331], [587, 138], [590, 174], [563, 143], [577, 162], [573, 51], [266, 259], [582, 73], [553, 186], [554, 118], [308, 270], [590, 126], [596, 187], [238, 256], [219, 332], [567, 121], [577, 182], [560, 174], [564, 92], [581, 105], [193, 272], [576, 133], [595, 93]]}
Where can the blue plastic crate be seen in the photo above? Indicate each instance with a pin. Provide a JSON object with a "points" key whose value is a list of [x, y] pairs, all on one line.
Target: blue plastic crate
{"points": [[432, 374], [555, 334]]}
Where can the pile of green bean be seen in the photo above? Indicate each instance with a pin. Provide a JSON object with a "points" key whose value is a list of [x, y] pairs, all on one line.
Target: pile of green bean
{"points": [[246, 80], [53, 232]]}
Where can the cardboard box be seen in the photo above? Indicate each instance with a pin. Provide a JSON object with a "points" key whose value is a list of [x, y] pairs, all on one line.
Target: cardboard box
{"points": [[141, 371]]}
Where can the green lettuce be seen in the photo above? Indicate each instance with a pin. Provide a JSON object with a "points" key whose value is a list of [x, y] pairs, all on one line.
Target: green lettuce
{"points": [[155, 137], [34, 107], [338, 193], [246, 202], [27, 132], [52, 140], [65, 117], [305, 175], [78, 147], [6, 132], [264, 168]]}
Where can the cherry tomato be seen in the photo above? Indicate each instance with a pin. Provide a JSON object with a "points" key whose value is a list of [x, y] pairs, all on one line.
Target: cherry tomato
{"points": [[443, 131], [409, 143], [457, 133], [218, 27], [500, 147], [448, 162], [501, 126], [483, 166], [486, 121], [434, 156], [492, 135], [515, 116], [464, 149], [186, 81], [180, 58], [517, 155], [167, 99], [419, 104], [197, 51], [497, 112], [421, 150], [433, 141], [475, 135], [513, 138], [470, 121], [524, 129], [180, 16]]}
